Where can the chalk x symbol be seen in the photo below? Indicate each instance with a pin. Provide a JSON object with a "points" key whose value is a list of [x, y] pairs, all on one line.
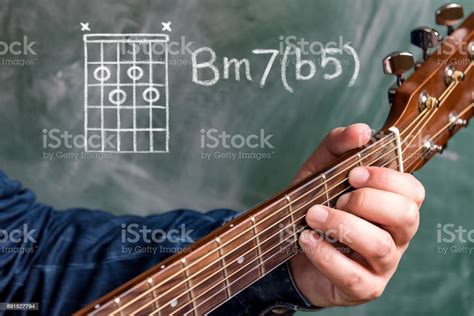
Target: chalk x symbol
{"points": [[166, 26], [85, 27]]}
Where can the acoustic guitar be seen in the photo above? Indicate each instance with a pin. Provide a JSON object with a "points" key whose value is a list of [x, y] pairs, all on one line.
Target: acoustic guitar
{"points": [[428, 106]]}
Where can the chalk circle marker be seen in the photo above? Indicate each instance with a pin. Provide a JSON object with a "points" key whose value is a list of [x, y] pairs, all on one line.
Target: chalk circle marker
{"points": [[135, 73], [151, 94], [117, 96], [102, 73]]}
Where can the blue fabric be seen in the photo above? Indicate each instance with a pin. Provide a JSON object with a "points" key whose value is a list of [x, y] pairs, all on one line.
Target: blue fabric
{"points": [[67, 259]]}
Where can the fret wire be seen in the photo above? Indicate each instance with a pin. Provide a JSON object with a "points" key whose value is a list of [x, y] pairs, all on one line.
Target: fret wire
{"points": [[288, 225], [293, 226], [259, 250], [218, 241], [323, 176], [359, 156], [188, 285], [153, 294]]}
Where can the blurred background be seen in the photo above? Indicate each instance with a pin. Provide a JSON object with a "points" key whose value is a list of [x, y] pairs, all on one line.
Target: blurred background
{"points": [[46, 92]]}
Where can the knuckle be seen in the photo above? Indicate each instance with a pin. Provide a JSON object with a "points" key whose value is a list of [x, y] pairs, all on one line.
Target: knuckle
{"points": [[385, 249], [376, 292], [380, 175], [353, 283], [357, 199], [420, 192], [411, 214], [335, 131]]}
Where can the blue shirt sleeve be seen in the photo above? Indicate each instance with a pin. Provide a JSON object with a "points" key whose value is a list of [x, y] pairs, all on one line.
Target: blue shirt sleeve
{"points": [[64, 260]]}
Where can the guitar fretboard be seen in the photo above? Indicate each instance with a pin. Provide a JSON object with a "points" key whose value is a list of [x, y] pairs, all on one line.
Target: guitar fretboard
{"points": [[245, 249]]}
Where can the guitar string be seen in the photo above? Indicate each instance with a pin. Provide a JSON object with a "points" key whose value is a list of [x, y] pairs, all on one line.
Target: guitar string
{"points": [[261, 233], [453, 85], [310, 191], [262, 221], [301, 229], [294, 201]]}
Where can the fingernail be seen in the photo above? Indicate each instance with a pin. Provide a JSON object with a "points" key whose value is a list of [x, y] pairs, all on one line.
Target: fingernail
{"points": [[318, 214], [358, 176], [305, 236], [308, 237], [342, 200]]}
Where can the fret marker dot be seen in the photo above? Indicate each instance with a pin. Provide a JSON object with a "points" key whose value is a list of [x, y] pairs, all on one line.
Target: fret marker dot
{"points": [[117, 300], [174, 303], [231, 225], [97, 306], [240, 260], [150, 280], [163, 266]]}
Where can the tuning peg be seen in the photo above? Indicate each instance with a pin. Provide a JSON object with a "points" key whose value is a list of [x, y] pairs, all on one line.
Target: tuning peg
{"points": [[397, 64], [425, 38], [456, 121], [449, 15], [432, 148]]}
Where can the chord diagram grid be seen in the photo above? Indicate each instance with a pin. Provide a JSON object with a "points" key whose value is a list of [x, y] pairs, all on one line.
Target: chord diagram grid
{"points": [[126, 93]]}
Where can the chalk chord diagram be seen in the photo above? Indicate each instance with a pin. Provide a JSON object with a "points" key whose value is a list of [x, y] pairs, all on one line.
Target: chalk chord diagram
{"points": [[126, 93]]}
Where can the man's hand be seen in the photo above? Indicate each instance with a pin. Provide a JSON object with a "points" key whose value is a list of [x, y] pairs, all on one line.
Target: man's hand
{"points": [[376, 221]]}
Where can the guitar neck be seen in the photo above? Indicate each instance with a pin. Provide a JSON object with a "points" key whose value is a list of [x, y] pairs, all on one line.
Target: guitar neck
{"points": [[241, 252]]}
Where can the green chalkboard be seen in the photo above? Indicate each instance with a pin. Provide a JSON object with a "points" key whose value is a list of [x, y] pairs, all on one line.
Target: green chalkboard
{"points": [[45, 91]]}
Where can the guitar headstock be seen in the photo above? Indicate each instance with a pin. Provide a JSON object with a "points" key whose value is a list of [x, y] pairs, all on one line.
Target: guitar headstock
{"points": [[437, 99]]}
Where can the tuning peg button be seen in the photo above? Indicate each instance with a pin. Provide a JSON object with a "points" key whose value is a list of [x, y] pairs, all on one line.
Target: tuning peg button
{"points": [[470, 50], [449, 15], [425, 38], [398, 64], [432, 148]]}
